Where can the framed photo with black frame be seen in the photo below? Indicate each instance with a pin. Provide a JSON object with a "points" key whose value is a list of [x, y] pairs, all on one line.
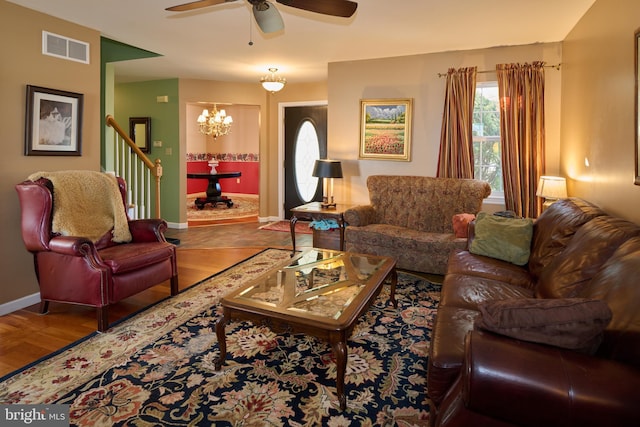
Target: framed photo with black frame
{"points": [[53, 122]]}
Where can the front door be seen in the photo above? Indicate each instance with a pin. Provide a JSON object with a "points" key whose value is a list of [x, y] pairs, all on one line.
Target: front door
{"points": [[305, 141]]}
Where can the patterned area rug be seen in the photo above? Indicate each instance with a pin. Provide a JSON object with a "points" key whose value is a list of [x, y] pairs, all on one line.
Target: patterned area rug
{"points": [[243, 206], [157, 368], [302, 227]]}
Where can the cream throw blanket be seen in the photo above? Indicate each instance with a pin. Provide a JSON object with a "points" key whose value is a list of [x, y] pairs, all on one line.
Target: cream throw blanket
{"points": [[87, 204]]}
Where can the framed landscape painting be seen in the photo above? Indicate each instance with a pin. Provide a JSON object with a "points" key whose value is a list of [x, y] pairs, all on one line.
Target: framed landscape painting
{"points": [[385, 129], [53, 122]]}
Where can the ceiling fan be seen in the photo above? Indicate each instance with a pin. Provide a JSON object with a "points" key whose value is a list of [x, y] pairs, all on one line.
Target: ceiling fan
{"points": [[267, 16]]}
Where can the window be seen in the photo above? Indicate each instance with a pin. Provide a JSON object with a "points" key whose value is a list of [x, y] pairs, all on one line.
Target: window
{"points": [[307, 151], [486, 138]]}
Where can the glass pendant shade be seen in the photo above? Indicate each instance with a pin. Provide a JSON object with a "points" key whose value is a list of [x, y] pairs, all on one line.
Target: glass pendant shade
{"points": [[271, 82]]}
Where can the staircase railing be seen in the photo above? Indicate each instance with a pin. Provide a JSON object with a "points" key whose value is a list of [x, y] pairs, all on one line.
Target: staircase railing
{"points": [[137, 170]]}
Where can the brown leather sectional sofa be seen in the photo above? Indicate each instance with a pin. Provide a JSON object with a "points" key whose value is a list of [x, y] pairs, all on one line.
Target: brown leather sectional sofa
{"points": [[482, 378]]}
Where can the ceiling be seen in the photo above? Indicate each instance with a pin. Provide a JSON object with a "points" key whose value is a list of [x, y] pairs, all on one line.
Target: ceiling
{"points": [[213, 43]]}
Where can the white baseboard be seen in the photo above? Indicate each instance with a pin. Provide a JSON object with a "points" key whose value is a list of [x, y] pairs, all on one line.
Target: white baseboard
{"points": [[178, 225], [19, 304], [269, 219]]}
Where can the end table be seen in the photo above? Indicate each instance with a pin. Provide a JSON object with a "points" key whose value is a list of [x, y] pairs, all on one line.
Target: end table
{"points": [[314, 211]]}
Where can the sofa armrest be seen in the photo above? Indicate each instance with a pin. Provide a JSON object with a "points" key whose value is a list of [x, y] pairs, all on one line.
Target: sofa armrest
{"points": [[530, 384], [359, 216], [147, 230]]}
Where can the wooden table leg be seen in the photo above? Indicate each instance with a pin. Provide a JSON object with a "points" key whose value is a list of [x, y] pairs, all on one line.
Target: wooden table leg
{"points": [[394, 283], [292, 227], [340, 353], [222, 340], [341, 226]]}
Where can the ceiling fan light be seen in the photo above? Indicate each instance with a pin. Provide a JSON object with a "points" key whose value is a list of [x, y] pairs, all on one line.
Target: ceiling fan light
{"points": [[269, 19], [273, 83]]}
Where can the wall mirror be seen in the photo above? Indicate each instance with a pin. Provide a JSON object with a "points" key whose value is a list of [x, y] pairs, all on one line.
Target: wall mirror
{"points": [[637, 111], [140, 132]]}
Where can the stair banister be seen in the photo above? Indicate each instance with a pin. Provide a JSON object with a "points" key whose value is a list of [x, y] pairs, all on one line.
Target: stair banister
{"points": [[130, 172]]}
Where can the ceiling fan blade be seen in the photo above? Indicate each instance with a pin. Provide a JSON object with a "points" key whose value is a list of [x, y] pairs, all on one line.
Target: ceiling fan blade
{"points": [[268, 18], [342, 8], [196, 5]]}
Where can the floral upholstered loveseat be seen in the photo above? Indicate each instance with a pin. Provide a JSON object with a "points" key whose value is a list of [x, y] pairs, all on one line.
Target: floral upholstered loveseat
{"points": [[410, 218]]}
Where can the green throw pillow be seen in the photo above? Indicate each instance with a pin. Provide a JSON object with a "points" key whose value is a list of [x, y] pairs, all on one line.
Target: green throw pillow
{"points": [[508, 239]]}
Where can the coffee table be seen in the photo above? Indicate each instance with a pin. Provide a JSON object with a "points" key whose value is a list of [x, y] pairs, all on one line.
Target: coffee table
{"points": [[320, 292]]}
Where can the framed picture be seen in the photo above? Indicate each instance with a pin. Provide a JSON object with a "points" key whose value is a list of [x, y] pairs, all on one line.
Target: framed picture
{"points": [[53, 122], [140, 132], [385, 129]]}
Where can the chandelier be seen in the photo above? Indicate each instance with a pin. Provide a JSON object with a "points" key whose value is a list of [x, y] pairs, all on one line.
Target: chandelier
{"points": [[273, 83], [215, 123]]}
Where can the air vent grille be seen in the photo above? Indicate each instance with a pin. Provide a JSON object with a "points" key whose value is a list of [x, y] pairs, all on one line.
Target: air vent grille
{"points": [[65, 47]]}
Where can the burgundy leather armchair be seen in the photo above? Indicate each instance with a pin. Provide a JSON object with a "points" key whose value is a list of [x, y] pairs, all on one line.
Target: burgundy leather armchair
{"points": [[77, 270]]}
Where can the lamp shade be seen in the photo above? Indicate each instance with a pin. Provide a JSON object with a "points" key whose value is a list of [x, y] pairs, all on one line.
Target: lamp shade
{"points": [[552, 187], [325, 168]]}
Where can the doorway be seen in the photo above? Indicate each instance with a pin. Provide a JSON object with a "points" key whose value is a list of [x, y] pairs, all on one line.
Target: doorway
{"points": [[237, 151], [304, 141]]}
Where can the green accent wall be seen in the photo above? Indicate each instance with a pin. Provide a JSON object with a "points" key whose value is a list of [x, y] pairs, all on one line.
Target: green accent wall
{"points": [[139, 99], [113, 51]]}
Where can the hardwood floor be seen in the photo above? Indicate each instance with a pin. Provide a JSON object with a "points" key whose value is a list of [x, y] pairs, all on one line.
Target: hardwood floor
{"points": [[26, 336]]}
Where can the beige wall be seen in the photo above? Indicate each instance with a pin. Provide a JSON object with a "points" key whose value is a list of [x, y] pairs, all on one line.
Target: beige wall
{"points": [[243, 137], [23, 64], [417, 77], [598, 107]]}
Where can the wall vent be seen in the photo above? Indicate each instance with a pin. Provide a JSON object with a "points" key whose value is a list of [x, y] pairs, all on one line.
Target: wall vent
{"points": [[65, 47]]}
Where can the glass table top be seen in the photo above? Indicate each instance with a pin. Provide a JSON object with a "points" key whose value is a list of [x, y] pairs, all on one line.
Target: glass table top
{"points": [[319, 282]]}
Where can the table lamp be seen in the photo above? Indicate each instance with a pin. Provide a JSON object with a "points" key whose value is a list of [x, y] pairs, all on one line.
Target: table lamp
{"points": [[327, 170], [551, 188]]}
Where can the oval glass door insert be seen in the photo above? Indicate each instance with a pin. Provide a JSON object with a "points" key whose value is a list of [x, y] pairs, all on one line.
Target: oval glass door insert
{"points": [[307, 151]]}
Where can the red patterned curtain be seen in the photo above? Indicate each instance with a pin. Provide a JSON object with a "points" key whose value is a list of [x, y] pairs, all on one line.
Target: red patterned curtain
{"points": [[456, 139], [521, 91]]}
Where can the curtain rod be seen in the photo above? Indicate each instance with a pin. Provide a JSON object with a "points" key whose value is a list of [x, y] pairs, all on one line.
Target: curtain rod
{"points": [[555, 66]]}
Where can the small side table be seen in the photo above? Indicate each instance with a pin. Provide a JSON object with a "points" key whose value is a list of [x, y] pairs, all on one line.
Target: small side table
{"points": [[314, 211]]}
